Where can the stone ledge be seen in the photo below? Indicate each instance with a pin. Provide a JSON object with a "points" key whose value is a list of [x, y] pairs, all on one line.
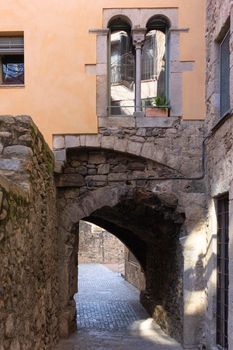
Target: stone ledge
{"points": [[159, 122], [138, 122], [127, 122]]}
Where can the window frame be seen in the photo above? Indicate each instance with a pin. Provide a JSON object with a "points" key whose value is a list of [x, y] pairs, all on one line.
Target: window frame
{"points": [[222, 286], [127, 27], [165, 21], [12, 50], [222, 112]]}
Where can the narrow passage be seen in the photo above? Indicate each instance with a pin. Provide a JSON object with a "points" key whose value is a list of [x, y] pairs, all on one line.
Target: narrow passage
{"points": [[110, 316]]}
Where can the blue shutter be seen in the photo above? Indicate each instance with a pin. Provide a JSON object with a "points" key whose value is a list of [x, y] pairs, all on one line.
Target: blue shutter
{"points": [[225, 75]]}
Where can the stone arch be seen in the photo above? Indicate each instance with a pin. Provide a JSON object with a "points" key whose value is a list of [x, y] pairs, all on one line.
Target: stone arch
{"points": [[121, 18], [148, 223], [159, 17], [104, 200], [146, 150]]}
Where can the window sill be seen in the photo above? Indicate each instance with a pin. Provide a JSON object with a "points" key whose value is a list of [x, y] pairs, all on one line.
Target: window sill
{"points": [[137, 122], [3, 86]]}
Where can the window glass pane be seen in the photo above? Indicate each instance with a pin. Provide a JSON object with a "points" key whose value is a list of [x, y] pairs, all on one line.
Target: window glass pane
{"points": [[225, 75], [154, 65], [13, 69], [122, 74]]}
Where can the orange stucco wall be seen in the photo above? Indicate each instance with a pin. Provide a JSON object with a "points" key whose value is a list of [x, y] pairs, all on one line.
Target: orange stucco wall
{"points": [[58, 94]]}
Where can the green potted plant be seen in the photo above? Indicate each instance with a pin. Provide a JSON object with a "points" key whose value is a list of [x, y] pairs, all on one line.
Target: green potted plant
{"points": [[159, 107]]}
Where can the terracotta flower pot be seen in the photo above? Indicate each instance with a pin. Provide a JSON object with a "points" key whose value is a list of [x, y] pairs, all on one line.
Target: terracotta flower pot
{"points": [[156, 112]]}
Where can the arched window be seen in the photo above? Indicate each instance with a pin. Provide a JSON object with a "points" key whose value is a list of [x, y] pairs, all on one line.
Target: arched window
{"points": [[155, 60], [121, 68]]}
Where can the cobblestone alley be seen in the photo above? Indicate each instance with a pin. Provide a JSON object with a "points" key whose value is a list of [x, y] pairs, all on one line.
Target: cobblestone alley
{"points": [[110, 316]]}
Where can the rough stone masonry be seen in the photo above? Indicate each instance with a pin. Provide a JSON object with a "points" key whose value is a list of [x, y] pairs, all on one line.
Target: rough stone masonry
{"points": [[29, 303], [160, 217], [146, 186]]}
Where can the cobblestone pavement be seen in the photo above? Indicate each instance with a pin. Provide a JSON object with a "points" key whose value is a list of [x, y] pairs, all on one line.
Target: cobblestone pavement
{"points": [[110, 316]]}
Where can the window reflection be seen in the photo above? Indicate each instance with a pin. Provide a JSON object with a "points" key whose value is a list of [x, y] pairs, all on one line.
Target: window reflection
{"points": [[154, 65], [13, 69], [122, 73]]}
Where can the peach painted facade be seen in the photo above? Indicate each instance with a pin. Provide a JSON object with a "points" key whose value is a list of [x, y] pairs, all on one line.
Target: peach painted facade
{"points": [[59, 93]]}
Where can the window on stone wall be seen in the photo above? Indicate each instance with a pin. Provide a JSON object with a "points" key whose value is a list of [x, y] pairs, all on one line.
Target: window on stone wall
{"points": [[222, 206], [154, 60], [225, 74], [11, 60], [121, 68]]}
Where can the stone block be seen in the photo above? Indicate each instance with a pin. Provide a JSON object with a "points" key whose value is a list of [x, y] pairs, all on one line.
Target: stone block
{"points": [[136, 166], [119, 168], [107, 142], [58, 167], [141, 132], [147, 150], [60, 155], [175, 85], [120, 145], [96, 158], [159, 122], [159, 155], [58, 142], [72, 141], [96, 179], [92, 171], [82, 170], [93, 140], [101, 95], [75, 163], [103, 169], [82, 140], [101, 69], [101, 49], [70, 180], [11, 164], [18, 151], [108, 122], [117, 177], [5, 134], [134, 147]]}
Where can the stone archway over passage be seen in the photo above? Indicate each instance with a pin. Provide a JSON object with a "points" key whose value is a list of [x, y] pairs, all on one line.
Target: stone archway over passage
{"points": [[149, 225], [156, 212]]}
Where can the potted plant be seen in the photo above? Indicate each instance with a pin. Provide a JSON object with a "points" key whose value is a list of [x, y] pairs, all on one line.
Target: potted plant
{"points": [[159, 107]]}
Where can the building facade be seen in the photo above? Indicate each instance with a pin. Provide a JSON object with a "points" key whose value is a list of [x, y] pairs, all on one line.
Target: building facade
{"points": [[142, 141], [219, 126], [65, 54]]}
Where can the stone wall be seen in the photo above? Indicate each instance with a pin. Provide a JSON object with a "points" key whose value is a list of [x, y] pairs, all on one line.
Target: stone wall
{"points": [[142, 180], [220, 181], [98, 246], [28, 239], [168, 142], [219, 161]]}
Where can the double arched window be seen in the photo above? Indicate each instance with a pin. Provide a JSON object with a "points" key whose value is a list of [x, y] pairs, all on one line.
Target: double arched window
{"points": [[122, 64]]}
